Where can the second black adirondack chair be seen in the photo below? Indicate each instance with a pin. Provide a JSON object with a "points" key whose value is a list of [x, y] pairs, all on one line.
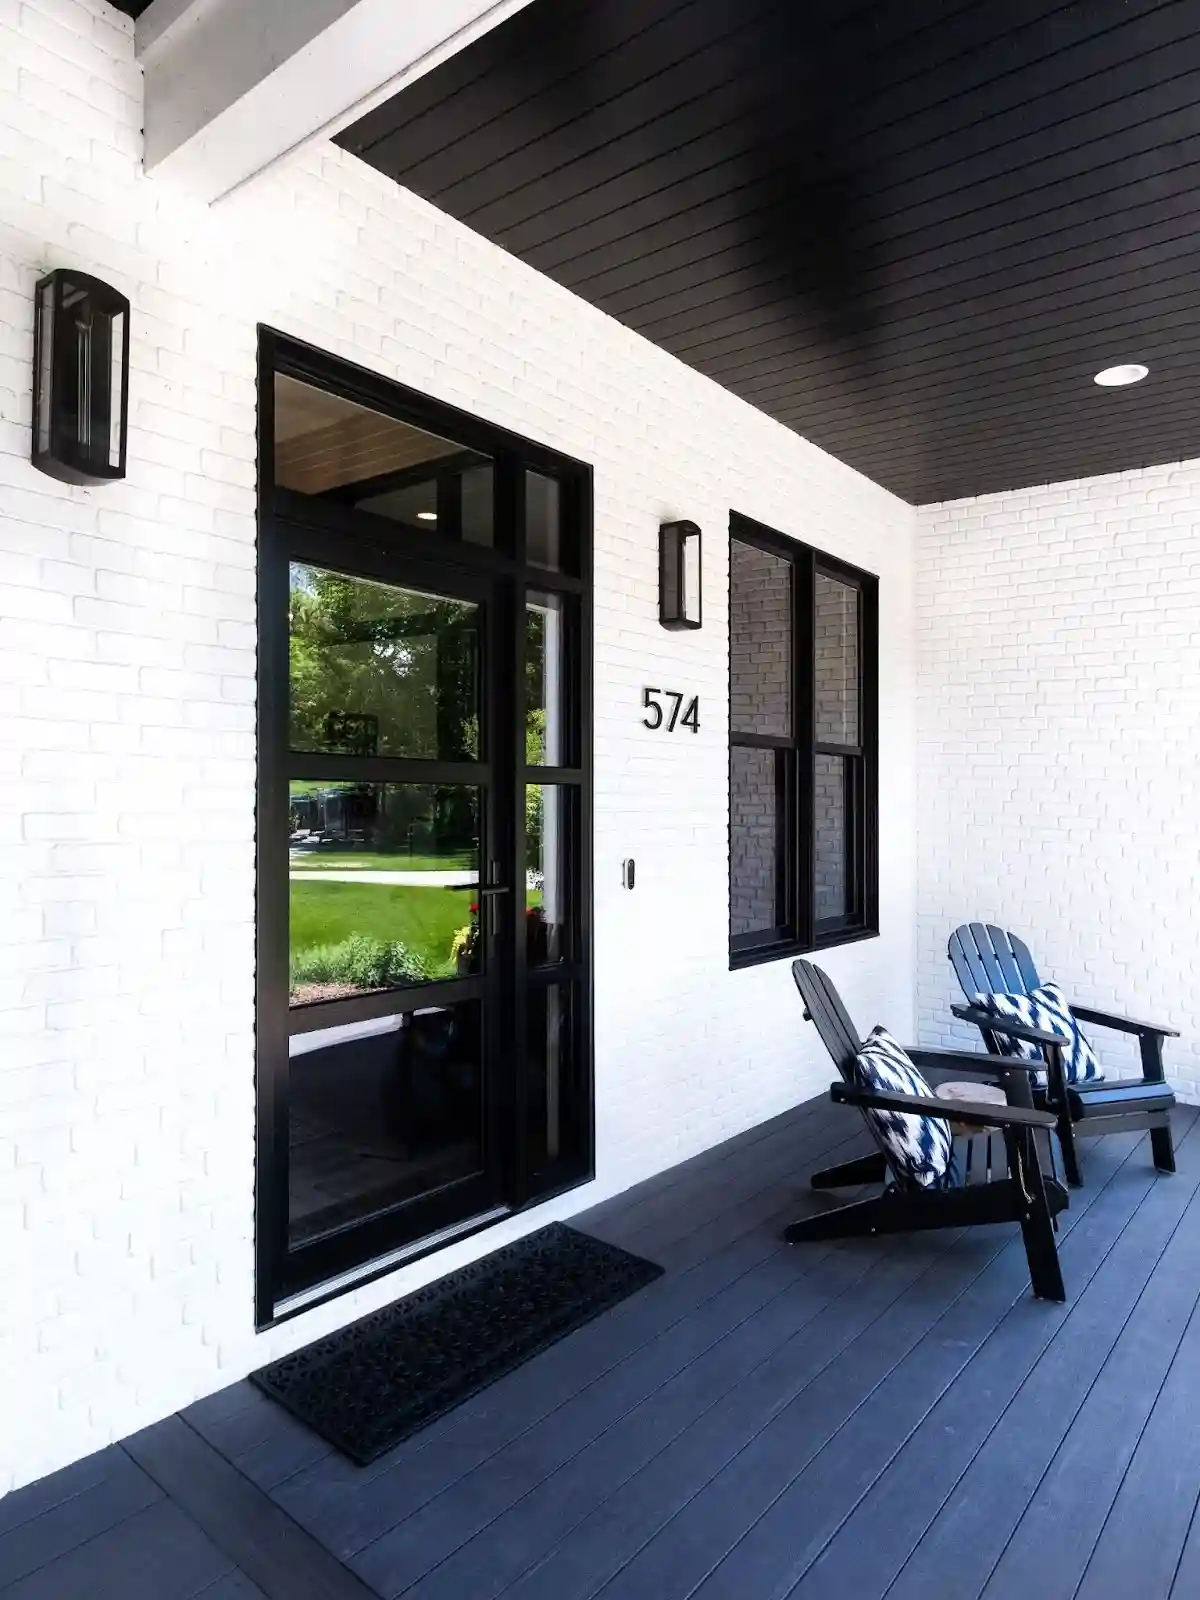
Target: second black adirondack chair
{"points": [[987, 960], [1024, 1195]]}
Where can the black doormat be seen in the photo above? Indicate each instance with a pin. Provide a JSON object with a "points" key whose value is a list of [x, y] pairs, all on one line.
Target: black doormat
{"points": [[368, 1386]]}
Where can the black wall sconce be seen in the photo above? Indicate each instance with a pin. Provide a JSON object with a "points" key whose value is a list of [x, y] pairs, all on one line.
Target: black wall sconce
{"points": [[80, 378], [679, 575]]}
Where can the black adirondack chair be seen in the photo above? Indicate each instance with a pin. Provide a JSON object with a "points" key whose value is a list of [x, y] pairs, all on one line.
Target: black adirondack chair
{"points": [[1024, 1195], [987, 960]]}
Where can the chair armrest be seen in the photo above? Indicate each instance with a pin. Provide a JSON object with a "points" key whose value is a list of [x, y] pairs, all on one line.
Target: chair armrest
{"points": [[965, 1112], [1106, 1019], [1007, 1025], [964, 1063]]}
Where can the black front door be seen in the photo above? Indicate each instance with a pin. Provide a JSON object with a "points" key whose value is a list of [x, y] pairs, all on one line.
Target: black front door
{"points": [[423, 990]]}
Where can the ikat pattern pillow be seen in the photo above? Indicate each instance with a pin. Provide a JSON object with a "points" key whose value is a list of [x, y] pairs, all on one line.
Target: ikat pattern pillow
{"points": [[919, 1148], [1046, 1009]]}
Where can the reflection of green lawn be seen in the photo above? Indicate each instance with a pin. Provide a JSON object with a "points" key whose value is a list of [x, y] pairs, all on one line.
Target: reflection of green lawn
{"points": [[424, 920], [319, 860]]}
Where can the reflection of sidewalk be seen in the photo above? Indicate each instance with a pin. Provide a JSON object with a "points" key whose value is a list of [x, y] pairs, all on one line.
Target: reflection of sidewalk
{"points": [[403, 880]]}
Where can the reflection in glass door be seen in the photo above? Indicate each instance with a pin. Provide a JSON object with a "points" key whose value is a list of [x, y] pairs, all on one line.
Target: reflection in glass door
{"points": [[423, 995], [387, 859]]}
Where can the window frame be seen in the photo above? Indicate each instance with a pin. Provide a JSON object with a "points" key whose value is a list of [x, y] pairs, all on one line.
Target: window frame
{"points": [[800, 930]]}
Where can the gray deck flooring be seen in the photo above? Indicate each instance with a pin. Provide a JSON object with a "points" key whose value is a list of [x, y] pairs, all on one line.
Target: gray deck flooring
{"points": [[767, 1422]]}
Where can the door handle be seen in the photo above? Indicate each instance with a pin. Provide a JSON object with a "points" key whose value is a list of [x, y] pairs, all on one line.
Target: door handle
{"points": [[492, 888]]}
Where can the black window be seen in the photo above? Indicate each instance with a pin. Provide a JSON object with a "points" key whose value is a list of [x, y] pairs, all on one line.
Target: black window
{"points": [[803, 690]]}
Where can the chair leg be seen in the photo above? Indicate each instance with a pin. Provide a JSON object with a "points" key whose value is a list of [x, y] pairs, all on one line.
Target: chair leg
{"points": [[1058, 1100], [1037, 1223], [1070, 1151], [1162, 1143], [864, 1169], [1150, 1047]]}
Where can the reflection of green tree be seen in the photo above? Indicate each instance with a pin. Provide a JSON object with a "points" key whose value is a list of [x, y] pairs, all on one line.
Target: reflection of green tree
{"points": [[410, 661], [535, 726], [535, 687], [362, 649], [395, 818], [535, 746]]}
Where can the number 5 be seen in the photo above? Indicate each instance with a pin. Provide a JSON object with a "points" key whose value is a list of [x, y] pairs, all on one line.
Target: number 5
{"points": [[652, 704]]}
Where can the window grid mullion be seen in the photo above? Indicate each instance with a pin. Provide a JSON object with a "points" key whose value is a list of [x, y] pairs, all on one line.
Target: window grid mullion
{"points": [[762, 741], [805, 693]]}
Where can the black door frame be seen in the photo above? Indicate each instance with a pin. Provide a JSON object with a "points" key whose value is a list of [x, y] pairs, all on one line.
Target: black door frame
{"points": [[292, 525]]}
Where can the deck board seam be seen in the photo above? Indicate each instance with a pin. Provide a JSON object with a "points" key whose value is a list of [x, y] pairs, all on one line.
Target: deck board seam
{"points": [[256, 1535], [752, 1227], [1158, 1394], [649, 1194], [1002, 1245], [828, 1125], [951, 1240], [867, 1267], [954, 1487], [991, 1332], [1120, 1332], [768, 1179], [1187, 1539], [1008, 1245]]}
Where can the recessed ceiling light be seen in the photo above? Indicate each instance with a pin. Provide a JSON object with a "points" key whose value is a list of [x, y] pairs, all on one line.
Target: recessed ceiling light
{"points": [[1118, 377], [431, 516]]}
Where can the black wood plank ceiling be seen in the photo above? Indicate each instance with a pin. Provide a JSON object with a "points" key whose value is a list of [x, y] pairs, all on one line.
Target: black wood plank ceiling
{"points": [[911, 232]]}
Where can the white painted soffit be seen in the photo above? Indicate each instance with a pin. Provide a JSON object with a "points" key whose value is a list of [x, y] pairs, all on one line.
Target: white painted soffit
{"points": [[233, 86]]}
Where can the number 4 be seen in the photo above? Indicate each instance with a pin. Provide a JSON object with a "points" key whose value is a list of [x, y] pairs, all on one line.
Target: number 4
{"points": [[691, 717]]}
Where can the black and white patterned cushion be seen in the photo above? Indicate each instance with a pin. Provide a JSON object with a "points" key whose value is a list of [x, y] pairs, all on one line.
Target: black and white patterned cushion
{"points": [[920, 1148], [1046, 1009]]}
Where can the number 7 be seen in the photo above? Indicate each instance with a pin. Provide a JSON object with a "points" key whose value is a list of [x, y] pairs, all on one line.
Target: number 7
{"points": [[678, 699]]}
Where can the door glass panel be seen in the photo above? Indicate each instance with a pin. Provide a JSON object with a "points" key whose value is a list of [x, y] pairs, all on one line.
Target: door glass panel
{"points": [[543, 521], [756, 840], [349, 455], [378, 670], [832, 880], [381, 880], [382, 1112], [545, 680], [550, 811], [554, 1094], [760, 641], [836, 661]]}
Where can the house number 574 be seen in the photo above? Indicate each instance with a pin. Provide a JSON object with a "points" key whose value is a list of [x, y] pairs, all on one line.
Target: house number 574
{"points": [[668, 717]]}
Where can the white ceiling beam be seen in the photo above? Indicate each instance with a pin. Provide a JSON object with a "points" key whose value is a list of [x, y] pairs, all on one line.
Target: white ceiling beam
{"points": [[234, 86]]}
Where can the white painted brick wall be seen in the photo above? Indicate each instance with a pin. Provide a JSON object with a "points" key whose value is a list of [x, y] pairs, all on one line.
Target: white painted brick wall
{"points": [[1059, 744], [127, 729]]}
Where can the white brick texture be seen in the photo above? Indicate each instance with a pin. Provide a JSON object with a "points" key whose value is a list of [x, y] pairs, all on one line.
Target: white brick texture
{"points": [[1059, 758], [127, 758]]}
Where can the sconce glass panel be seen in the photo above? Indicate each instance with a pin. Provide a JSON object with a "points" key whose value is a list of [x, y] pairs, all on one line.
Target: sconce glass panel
{"points": [[679, 597], [81, 378]]}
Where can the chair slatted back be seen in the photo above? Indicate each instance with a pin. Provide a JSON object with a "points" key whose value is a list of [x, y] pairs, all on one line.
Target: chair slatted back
{"points": [[989, 961], [823, 1007]]}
